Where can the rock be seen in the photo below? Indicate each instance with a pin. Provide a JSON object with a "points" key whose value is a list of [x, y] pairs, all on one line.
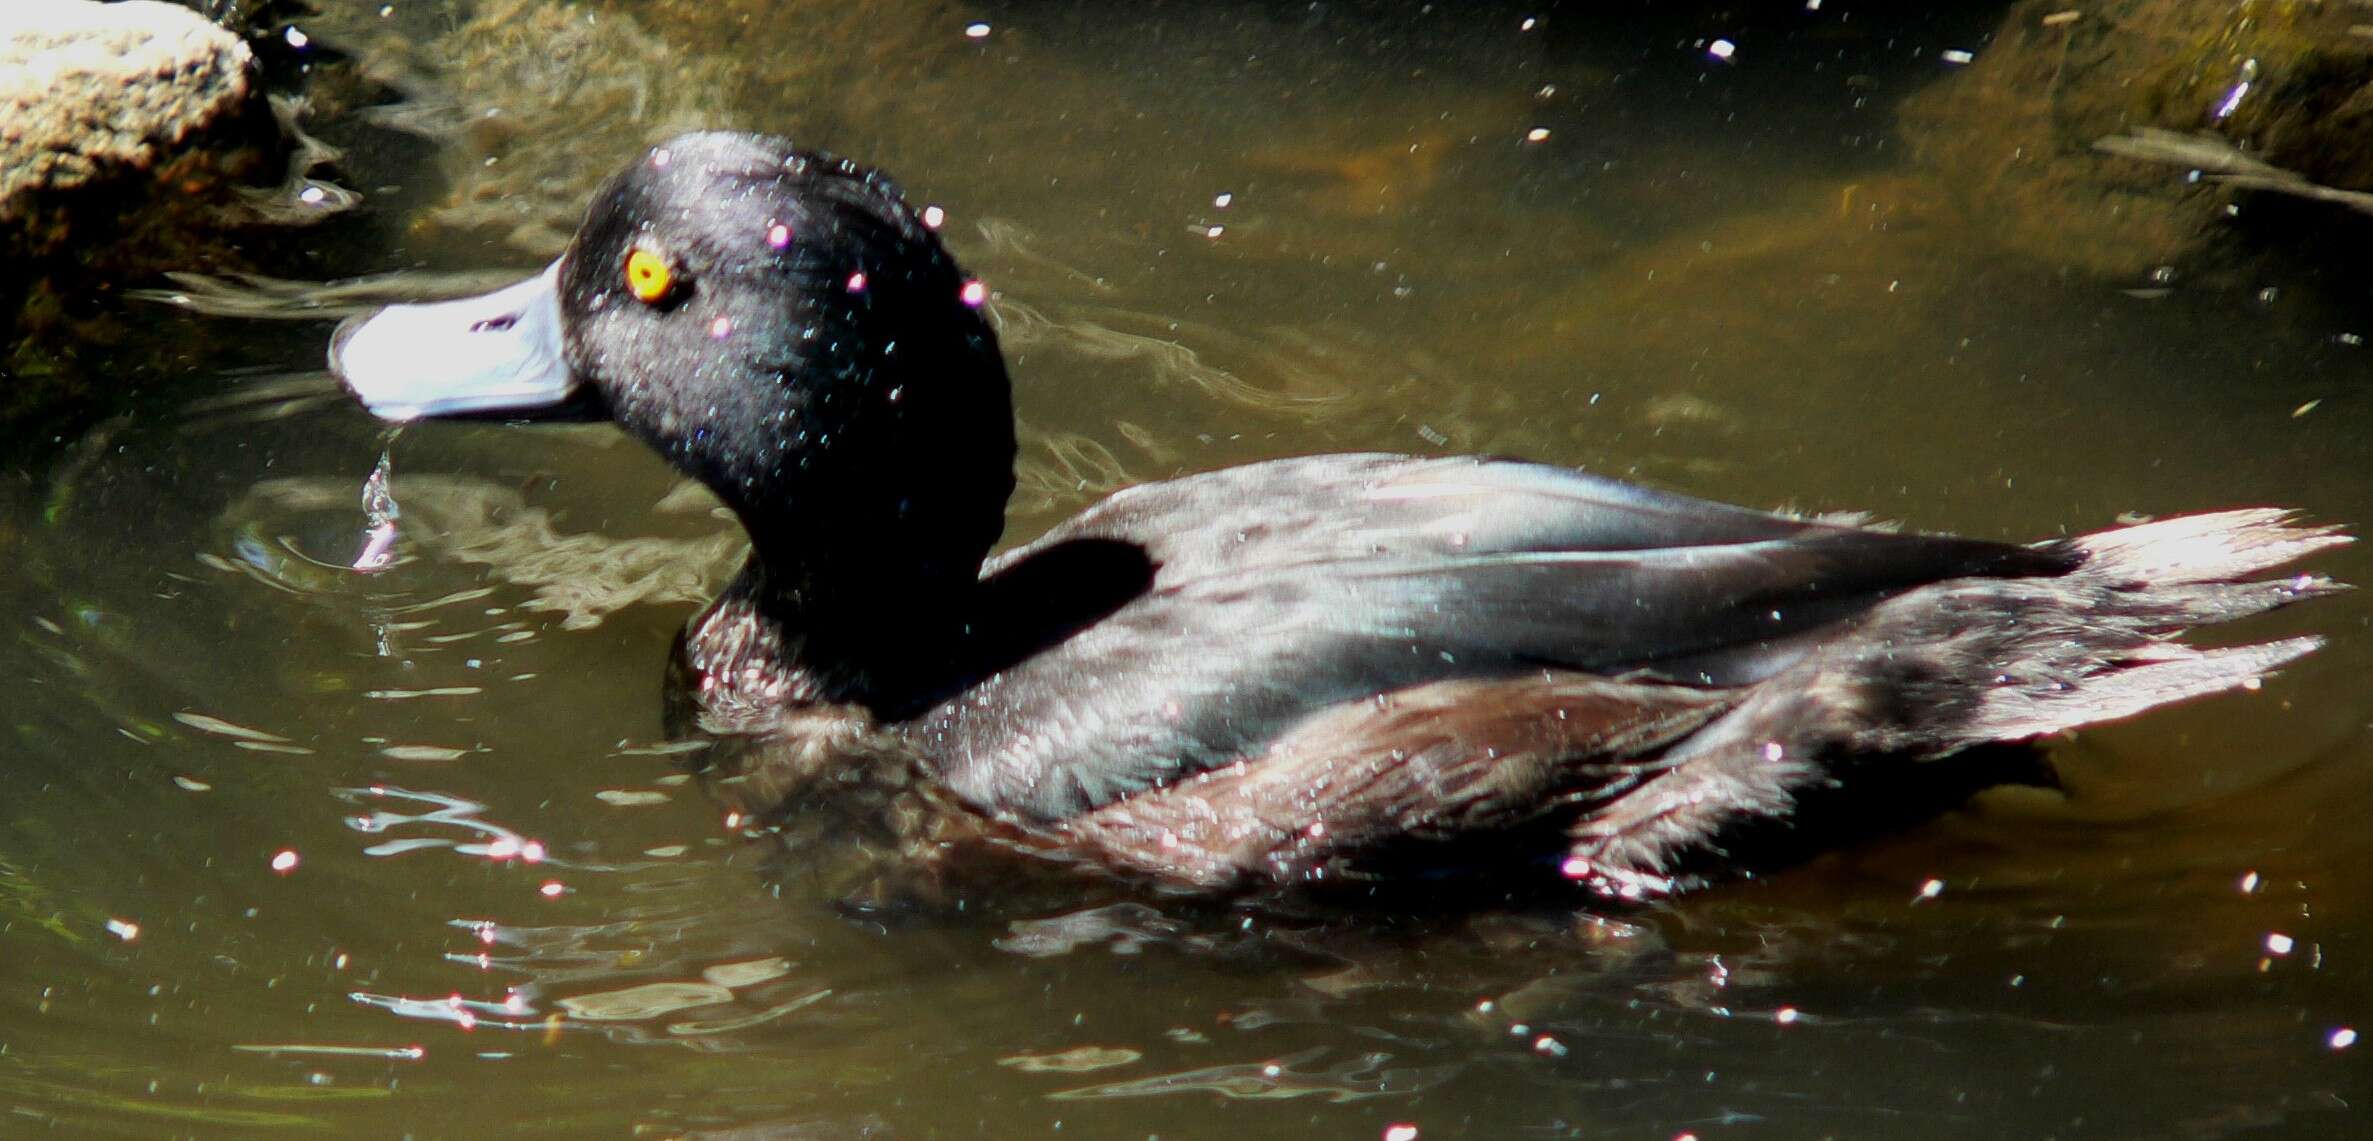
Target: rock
{"points": [[2012, 137], [88, 86], [94, 96], [135, 138]]}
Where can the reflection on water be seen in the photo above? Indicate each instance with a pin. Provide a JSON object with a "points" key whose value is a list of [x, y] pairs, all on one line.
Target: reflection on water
{"points": [[580, 576], [286, 847], [1277, 1079]]}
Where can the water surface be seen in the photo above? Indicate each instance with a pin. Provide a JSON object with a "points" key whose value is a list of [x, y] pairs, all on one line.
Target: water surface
{"points": [[1217, 233]]}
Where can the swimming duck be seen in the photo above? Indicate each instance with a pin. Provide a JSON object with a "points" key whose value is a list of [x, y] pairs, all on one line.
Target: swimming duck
{"points": [[1275, 675]]}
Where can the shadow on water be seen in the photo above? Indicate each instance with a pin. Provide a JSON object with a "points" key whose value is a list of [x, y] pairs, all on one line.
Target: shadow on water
{"points": [[285, 847]]}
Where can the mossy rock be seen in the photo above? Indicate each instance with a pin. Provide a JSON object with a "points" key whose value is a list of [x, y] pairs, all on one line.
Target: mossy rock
{"points": [[2012, 136]]}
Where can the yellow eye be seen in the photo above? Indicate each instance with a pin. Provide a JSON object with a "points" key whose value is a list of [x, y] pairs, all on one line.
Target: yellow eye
{"points": [[648, 276]]}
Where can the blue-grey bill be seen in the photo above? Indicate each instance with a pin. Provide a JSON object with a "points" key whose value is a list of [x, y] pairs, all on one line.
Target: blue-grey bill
{"points": [[492, 353]]}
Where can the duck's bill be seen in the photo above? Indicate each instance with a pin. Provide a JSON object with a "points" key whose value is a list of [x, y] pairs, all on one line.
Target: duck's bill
{"points": [[496, 354]]}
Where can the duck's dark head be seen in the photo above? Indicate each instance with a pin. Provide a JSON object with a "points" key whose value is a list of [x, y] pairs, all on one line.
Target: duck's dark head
{"points": [[781, 325]]}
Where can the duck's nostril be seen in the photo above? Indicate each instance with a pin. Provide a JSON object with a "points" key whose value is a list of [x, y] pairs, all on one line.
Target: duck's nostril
{"points": [[495, 324]]}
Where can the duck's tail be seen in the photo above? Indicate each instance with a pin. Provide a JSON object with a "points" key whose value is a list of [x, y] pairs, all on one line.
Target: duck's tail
{"points": [[2098, 643], [1966, 663], [1973, 661]]}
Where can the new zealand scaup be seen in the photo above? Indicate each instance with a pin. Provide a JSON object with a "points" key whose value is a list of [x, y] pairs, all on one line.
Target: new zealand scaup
{"points": [[1304, 670]]}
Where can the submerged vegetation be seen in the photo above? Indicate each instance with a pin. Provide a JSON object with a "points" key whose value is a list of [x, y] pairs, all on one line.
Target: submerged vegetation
{"points": [[24, 901], [2012, 137]]}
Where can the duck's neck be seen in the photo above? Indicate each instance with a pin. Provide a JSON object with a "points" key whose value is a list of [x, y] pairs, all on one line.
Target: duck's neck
{"points": [[765, 646], [881, 628], [866, 552]]}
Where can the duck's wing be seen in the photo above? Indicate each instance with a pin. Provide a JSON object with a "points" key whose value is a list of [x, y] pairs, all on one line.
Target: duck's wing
{"points": [[1210, 615]]}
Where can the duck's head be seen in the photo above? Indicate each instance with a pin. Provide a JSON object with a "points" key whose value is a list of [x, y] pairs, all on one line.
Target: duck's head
{"points": [[780, 324]]}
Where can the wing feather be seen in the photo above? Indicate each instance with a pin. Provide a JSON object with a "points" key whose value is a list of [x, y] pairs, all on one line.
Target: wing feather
{"points": [[1254, 598]]}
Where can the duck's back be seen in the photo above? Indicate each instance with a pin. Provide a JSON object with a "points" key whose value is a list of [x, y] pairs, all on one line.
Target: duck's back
{"points": [[1181, 626]]}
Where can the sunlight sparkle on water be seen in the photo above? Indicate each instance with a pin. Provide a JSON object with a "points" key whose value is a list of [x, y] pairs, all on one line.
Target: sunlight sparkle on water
{"points": [[2342, 1038], [1400, 1131], [500, 843], [386, 1053], [466, 1013], [284, 861], [123, 929], [2240, 90]]}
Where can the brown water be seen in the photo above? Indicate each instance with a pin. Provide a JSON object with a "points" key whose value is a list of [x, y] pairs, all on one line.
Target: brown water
{"points": [[1686, 281]]}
